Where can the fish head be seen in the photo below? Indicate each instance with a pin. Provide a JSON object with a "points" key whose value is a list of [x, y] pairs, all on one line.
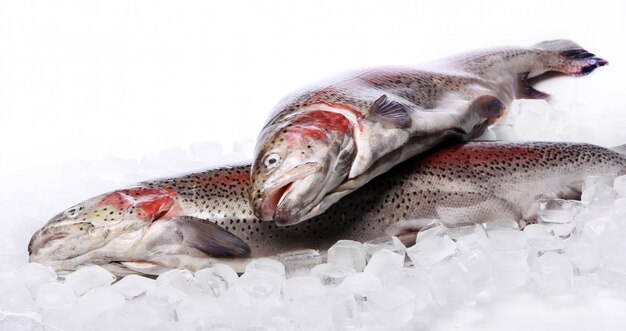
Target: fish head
{"points": [[137, 230], [297, 162]]}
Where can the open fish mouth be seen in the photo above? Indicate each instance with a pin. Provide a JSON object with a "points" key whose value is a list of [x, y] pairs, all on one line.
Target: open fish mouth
{"points": [[286, 183]]}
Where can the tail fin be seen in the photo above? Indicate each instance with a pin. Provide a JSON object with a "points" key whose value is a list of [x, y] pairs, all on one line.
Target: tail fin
{"points": [[620, 149], [581, 62]]}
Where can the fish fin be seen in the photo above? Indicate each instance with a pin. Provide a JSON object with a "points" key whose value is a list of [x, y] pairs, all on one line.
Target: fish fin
{"points": [[526, 91], [209, 237], [488, 106], [390, 113], [579, 62], [145, 267], [620, 149], [477, 130]]}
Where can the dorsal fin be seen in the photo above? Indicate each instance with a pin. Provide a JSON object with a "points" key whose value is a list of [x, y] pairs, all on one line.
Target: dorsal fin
{"points": [[390, 113]]}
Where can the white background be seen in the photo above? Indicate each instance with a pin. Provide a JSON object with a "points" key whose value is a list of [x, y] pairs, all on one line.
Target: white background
{"points": [[93, 92]]}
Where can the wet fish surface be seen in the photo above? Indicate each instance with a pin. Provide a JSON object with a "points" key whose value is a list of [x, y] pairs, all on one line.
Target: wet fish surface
{"points": [[321, 144], [203, 218]]}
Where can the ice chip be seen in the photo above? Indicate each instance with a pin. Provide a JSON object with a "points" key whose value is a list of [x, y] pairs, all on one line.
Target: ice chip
{"points": [[613, 271], [173, 286], [552, 274], [299, 262], [133, 286], [53, 295], [20, 322], [344, 312], [268, 265], [34, 275], [330, 275], [347, 253], [430, 250], [89, 277], [593, 229], [542, 238], [558, 210], [303, 286], [450, 287], [509, 269], [383, 262], [361, 285], [434, 229], [585, 257], [215, 280], [478, 268], [501, 225], [167, 326], [391, 243], [392, 306]]}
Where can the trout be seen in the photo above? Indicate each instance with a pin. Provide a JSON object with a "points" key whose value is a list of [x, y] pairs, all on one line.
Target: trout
{"points": [[321, 144], [204, 218]]}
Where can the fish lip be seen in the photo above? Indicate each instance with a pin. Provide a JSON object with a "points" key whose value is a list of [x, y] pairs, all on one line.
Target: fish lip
{"points": [[279, 189]]}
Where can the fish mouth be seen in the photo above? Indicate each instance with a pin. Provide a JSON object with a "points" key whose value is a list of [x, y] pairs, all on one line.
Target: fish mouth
{"points": [[283, 186]]}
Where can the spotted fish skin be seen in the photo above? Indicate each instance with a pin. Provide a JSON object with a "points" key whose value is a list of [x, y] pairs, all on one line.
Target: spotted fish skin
{"points": [[321, 144], [164, 222]]}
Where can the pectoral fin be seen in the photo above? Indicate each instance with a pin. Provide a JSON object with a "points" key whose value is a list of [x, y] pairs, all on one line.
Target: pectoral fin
{"points": [[209, 237], [390, 113]]}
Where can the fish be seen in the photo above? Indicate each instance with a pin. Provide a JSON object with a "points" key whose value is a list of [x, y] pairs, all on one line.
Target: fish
{"points": [[200, 219], [324, 142]]}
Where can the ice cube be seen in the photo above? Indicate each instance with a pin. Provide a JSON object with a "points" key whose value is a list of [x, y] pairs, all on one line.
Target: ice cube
{"points": [[415, 280], [299, 262], [310, 313], [133, 286], [87, 278], [167, 326], [593, 229], [501, 225], [585, 257], [428, 251], [174, 285], [139, 314], [392, 306], [450, 287], [361, 285], [552, 274], [108, 320], [100, 299], [302, 286], [542, 238], [597, 190], [215, 280], [347, 253], [67, 318], [267, 265], [330, 275], [344, 312], [507, 239], [613, 271], [391, 243], [16, 298], [54, 295], [260, 284], [194, 308], [383, 262], [434, 229], [509, 269], [478, 268], [558, 210], [34, 275], [469, 237]]}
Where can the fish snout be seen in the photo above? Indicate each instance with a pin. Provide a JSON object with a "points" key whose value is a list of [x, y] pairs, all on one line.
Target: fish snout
{"points": [[49, 233]]}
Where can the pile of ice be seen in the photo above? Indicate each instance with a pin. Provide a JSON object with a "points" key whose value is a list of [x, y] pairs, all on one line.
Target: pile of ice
{"points": [[372, 286]]}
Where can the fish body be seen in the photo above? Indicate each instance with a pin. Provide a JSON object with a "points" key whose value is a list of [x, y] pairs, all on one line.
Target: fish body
{"points": [[199, 219], [323, 143]]}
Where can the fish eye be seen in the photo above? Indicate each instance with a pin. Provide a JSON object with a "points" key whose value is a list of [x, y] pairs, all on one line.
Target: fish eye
{"points": [[271, 160]]}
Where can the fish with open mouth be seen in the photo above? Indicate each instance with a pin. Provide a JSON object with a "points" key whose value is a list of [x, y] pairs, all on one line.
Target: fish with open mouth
{"points": [[323, 143], [196, 220]]}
